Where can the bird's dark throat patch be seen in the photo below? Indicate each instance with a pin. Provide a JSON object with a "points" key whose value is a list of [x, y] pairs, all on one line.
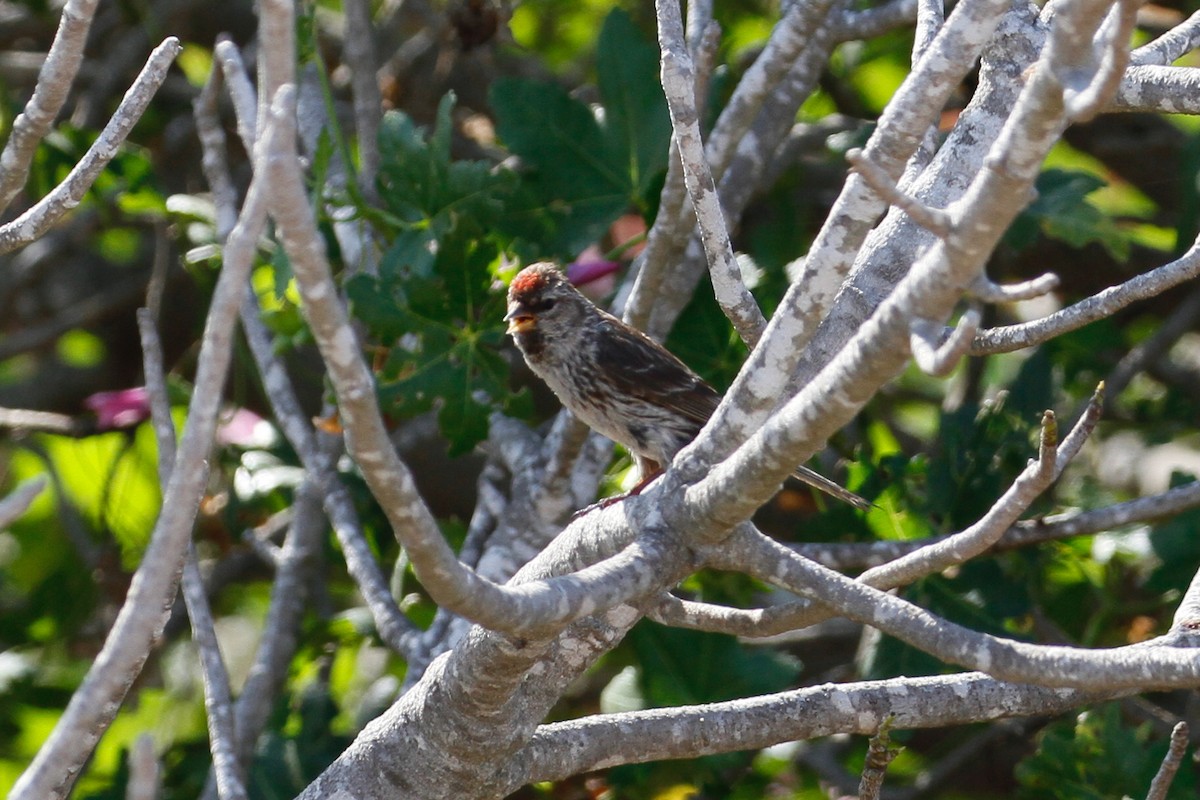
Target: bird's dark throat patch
{"points": [[531, 342]]}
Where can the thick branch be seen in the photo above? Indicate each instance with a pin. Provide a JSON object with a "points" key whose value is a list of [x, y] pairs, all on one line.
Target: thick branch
{"points": [[568, 748], [765, 375]]}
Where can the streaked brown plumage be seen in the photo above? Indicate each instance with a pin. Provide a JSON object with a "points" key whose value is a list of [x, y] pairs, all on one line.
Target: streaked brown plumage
{"points": [[615, 378]]}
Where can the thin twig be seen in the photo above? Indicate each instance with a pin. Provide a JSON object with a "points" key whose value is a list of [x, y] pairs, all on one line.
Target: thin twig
{"points": [[989, 292], [218, 698], [156, 392], [934, 220], [320, 464], [933, 557], [867, 23], [678, 80], [856, 556], [880, 754], [145, 773], [1166, 662], [30, 225], [241, 91], [1140, 356], [1084, 102], [53, 85], [359, 49], [22, 419], [289, 592], [213, 161], [1170, 763], [1103, 304], [939, 358], [19, 500], [260, 537], [1180, 40]]}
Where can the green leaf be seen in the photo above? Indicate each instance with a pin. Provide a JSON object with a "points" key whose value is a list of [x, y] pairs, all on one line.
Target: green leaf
{"points": [[281, 270], [704, 339], [1062, 211], [681, 667], [433, 304], [444, 332], [576, 171], [112, 479], [982, 448], [412, 252], [1097, 755], [1175, 544], [635, 110], [584, 169]]}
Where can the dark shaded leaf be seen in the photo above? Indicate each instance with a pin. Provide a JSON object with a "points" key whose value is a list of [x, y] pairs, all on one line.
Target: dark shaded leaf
{"points": [[635, 109]]}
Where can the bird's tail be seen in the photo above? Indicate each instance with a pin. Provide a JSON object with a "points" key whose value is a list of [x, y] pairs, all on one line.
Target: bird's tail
{"points": [[820, 482]]}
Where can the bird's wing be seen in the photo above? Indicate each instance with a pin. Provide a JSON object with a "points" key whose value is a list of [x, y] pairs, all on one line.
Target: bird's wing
{"points": [[641, 367]]}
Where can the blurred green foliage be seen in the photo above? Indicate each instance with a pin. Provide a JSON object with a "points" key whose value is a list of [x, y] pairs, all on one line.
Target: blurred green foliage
{"points": [[1099, 755]]}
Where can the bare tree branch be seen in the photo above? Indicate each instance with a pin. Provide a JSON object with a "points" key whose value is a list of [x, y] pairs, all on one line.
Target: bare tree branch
{"points": [[1170, 764], [145, 773], [54, 83], [941, 357], [846, 556], [1085, 100], [37, 220], [1103, 304], [880, 754], [678, 80], [766, 373], [1179, 41], [140, 621], [218, 698], [568, 748], [368, 104], [451, 584], [1164, 662], [19, 501], [932, 558], [1158, 89]]}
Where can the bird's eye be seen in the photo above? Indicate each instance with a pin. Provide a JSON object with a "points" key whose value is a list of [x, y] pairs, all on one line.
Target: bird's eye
{"points": [[548, 303]]}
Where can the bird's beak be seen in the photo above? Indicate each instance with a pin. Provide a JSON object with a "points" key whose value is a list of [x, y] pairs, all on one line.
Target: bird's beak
{"points": [[519, 319]]}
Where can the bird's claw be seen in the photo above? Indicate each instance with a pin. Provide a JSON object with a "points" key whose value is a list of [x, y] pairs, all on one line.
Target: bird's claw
{"points": [[605, 503]]}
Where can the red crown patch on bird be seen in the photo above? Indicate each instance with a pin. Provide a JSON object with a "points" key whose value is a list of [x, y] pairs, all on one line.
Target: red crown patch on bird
{"points": [[533, 280], [529, 281]]}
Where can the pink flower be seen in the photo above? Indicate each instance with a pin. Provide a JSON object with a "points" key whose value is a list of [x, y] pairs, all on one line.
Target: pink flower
{"points": [[243, 428], [593, 276], [120, 409]]}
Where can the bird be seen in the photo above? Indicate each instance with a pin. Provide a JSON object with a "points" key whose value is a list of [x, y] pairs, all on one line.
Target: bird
{"points": [[615, 378]]}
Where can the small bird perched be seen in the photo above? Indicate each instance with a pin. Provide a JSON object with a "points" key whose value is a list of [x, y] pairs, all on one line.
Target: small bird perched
{"points": [[615, 378]]}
